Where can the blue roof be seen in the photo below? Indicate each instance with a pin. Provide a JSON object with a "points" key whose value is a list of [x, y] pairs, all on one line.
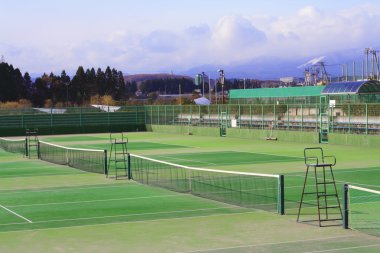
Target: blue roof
{"points": [[358, 87]]}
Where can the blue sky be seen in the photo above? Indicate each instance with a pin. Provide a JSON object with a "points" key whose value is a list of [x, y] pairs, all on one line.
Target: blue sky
{"points": [[143, 36]]}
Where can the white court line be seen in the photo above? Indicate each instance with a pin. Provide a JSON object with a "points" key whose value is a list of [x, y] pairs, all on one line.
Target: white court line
{"points": [[266, 244], [97, 200], [339, 181], [299, 157], [125, 222], [124, 215], [67, 188], [339, 249], [187, 160], [18, 215]]}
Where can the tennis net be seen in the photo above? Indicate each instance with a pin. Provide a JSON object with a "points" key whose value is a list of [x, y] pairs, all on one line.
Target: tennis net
{"points": [[91, 160], [252, 190], [362, 209], [13, 145]]}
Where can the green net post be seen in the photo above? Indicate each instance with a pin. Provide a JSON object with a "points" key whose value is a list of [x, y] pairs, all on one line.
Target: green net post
{"points": [[38, 150], [129, 167], [281, 195], [105, 163], [26, 152], [345, 206]]}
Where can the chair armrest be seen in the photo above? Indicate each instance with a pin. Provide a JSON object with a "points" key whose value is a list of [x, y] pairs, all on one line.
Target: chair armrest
{"points": [[311, 158], [330, 157]]}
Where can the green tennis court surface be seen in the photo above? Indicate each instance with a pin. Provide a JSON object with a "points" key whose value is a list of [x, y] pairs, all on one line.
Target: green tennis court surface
{"points": [[51, 208], [97, 204], [222, 158]]}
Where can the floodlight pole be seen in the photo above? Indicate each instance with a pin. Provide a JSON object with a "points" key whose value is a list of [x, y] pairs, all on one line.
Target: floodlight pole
{"points": [[221, 78], [209, 87], [203, 82]]}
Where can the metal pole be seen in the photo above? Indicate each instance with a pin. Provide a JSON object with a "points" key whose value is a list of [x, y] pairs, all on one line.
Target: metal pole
{"points": [[362, 70], [378, 70], [354, 72], [222, 94], [373, 65], [216, 92], [345, 206], [366, 52], [209, 87], [180, 95], [203, 82]]}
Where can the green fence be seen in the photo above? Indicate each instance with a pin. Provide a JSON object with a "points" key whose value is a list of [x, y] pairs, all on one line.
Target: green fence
{"points": [[344, 118], [71, 120]]}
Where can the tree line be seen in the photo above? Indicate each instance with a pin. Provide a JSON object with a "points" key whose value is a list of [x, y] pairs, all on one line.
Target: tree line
{"points": [[61, 90], [95, 86]]}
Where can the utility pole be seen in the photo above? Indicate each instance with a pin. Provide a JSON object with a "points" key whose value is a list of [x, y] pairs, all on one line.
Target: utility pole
{"points": [[180, 95]]}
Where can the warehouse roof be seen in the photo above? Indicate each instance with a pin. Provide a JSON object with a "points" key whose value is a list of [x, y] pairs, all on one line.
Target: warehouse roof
{"points": [[307, 91], [358, 87]]}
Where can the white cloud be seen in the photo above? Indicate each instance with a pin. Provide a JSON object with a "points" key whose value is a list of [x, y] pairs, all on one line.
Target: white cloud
{"points": [[232, 39], [232, 32]]}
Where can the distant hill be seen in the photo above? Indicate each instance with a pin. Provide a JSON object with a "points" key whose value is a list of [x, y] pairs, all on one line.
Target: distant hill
{"points": [[272, 68], [138, 78]]}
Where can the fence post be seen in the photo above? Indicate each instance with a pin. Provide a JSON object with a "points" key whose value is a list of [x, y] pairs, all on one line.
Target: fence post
{"points": [[366, 118], [250, 115], [349, 118], [151, 114], [108, 119], [80, 116], [274, 116], [316, 117], [209, 116], [158, 114], [287, 110], [173, 117], [301, 117], [145, 114], [181, 110], [51, 117], [165, 119], [262, 116]]}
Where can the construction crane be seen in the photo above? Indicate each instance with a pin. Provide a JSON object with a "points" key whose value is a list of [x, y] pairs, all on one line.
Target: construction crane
{"points": [[315, 72]]}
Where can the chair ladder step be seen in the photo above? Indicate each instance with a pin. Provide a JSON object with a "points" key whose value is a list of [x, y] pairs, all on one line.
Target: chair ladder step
{"points": [[327, 195], [331, 219], [326, 183], [329, 207]]}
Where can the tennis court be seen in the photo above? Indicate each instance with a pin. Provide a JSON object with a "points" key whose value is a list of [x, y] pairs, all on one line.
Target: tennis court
{"points": [[48, 207]]}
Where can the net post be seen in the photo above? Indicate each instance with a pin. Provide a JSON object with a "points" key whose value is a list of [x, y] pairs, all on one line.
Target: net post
{"points": [[129, 167], [38, 150], [345, 206], [26, 147], [105, 163], [281, 195]]}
